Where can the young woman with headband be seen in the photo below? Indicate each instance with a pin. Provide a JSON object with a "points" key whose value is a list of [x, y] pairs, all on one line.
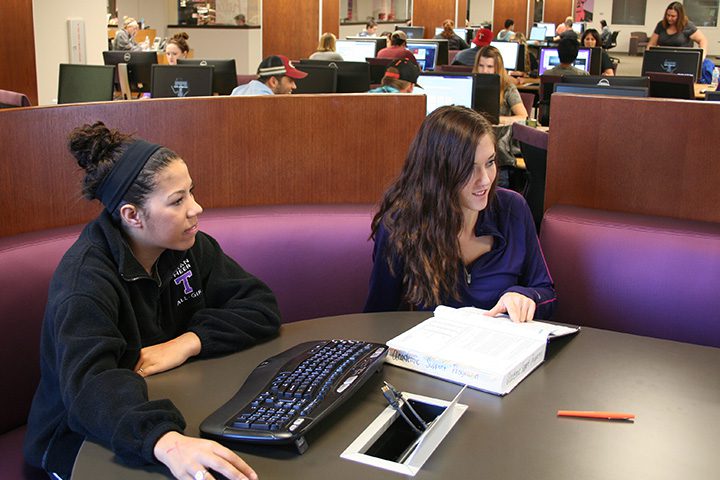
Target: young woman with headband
{"points": [[140, 292]]}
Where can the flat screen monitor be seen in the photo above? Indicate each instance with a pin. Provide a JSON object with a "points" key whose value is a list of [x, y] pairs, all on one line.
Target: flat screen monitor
{"points": [[486, 96], [139, 67], [549, 28], [596, 61], [412, 32], [442, 48], [538, 34], [511, 55], [618, 91], [224, 73], [617, 81], [671, 85], [380, 42], [85, 83], [549, 58], [377, 68], [355, 50], [320, 79], [579, 27], [445, 89], [170, 81], [685, 58], [352, 77], [425, 54], [460, 32]]}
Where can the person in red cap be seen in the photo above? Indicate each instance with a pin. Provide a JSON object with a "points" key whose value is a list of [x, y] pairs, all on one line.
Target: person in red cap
{"points": [[483, 37], [276, 76], [400, 77]]}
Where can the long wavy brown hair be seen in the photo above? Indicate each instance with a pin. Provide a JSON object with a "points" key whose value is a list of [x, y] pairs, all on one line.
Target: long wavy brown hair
{"points": [[421, 210], [682, 19]]}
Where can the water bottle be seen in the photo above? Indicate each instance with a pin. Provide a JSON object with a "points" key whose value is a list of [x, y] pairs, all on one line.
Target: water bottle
{"points": [[715, 76]]}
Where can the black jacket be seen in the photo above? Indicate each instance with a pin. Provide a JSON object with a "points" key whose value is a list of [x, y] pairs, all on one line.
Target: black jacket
{"points": [[102, 309]]}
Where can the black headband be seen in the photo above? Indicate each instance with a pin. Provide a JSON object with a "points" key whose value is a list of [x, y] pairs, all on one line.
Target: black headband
{"points": [[123, 174]]}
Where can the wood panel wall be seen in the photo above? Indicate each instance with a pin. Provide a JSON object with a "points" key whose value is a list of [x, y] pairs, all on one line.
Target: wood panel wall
{"points": [[515, 9], [269, 150], [17, 48], [557, 11], [331, 16], [292, 27], [431, 13], [647, 156]]}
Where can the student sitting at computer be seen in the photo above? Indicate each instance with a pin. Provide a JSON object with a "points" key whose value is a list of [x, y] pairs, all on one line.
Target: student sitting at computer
{"points": [[125, 37], [400, 77], [177, 47], [397, 48], [676, 30], [276, 76], [507, 34], [565, 30], [489, 60], [455, 42], [605, 33], [482, 38], [531, 62], [591, 39], [566, 25], [445, 234], [140, 292], [326, 49], [370, 30], [567, 52]]}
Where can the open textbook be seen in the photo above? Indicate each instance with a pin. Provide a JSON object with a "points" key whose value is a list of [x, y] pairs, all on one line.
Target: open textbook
{"points": [[466, 346]]}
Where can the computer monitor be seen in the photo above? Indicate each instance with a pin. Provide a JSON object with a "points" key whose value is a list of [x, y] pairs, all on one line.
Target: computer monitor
{"points": [[671, 85], [549, 28], [320, 79], [85, 83], [513, 54], [673, 60], [460, 32], [549, 58], [538, 33], [380, 42], [596, 61], [352, 77], [579, 27], [442, 48], [617, 81], [355, 50], [377, 68], [139, 67], [601, 90], [412, 32], [486, 96], [425, 54], [170, 81], [445, 89], [224, 73]]}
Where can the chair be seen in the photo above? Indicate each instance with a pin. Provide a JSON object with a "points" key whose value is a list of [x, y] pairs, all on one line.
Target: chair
{"points": [[615, 62], [671, 85], [638, 43], [547, 84], [533, 145], [528, 100], [612, 41], [10, 99]]}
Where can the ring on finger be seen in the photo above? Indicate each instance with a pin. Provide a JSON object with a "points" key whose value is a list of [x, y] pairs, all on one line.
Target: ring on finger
{"points": [[200, 474]]}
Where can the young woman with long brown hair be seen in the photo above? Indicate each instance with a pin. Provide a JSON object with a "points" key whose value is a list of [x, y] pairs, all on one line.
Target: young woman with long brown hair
{"points": [[446, 234]]}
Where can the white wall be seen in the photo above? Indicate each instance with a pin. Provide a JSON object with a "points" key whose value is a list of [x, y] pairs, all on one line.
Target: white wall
{"points": [[51, 38], [244, 45], [481, 11]]}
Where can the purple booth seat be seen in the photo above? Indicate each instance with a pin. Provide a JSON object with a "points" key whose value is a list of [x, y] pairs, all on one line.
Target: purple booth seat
{"points": [[639, 274], [317, 260]]}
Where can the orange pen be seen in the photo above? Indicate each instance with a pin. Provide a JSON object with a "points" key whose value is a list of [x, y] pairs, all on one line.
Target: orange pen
{"points": [[593, 414]]}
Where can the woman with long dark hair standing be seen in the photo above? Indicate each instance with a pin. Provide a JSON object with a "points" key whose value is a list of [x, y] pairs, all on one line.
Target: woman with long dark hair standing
{"points": [[445, 234]]}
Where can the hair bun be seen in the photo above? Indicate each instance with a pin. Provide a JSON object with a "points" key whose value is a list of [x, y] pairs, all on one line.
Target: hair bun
{"points": [[93, 144], [181, 36]]}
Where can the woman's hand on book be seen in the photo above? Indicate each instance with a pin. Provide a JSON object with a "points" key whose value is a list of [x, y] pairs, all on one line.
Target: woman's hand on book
{"points": [[518, 307]]}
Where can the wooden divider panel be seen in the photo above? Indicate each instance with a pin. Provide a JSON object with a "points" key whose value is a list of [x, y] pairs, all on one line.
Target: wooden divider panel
{"points": [[637, 155], [267, 150]]}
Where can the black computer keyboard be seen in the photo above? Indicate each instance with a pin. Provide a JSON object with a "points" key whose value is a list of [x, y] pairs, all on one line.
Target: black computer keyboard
{"points": [[288, 394]]}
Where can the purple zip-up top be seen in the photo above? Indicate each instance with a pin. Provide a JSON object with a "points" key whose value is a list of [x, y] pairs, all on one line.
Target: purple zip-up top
{"points": [[515, 264]]}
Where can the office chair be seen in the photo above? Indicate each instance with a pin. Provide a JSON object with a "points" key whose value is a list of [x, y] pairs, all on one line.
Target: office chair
{"points": [[10, 99], [612, 41], [671, 85], [533, 145]]}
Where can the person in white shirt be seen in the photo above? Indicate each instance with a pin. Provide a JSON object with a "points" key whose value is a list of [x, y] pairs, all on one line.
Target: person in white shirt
{"points": [[276, 76]]}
